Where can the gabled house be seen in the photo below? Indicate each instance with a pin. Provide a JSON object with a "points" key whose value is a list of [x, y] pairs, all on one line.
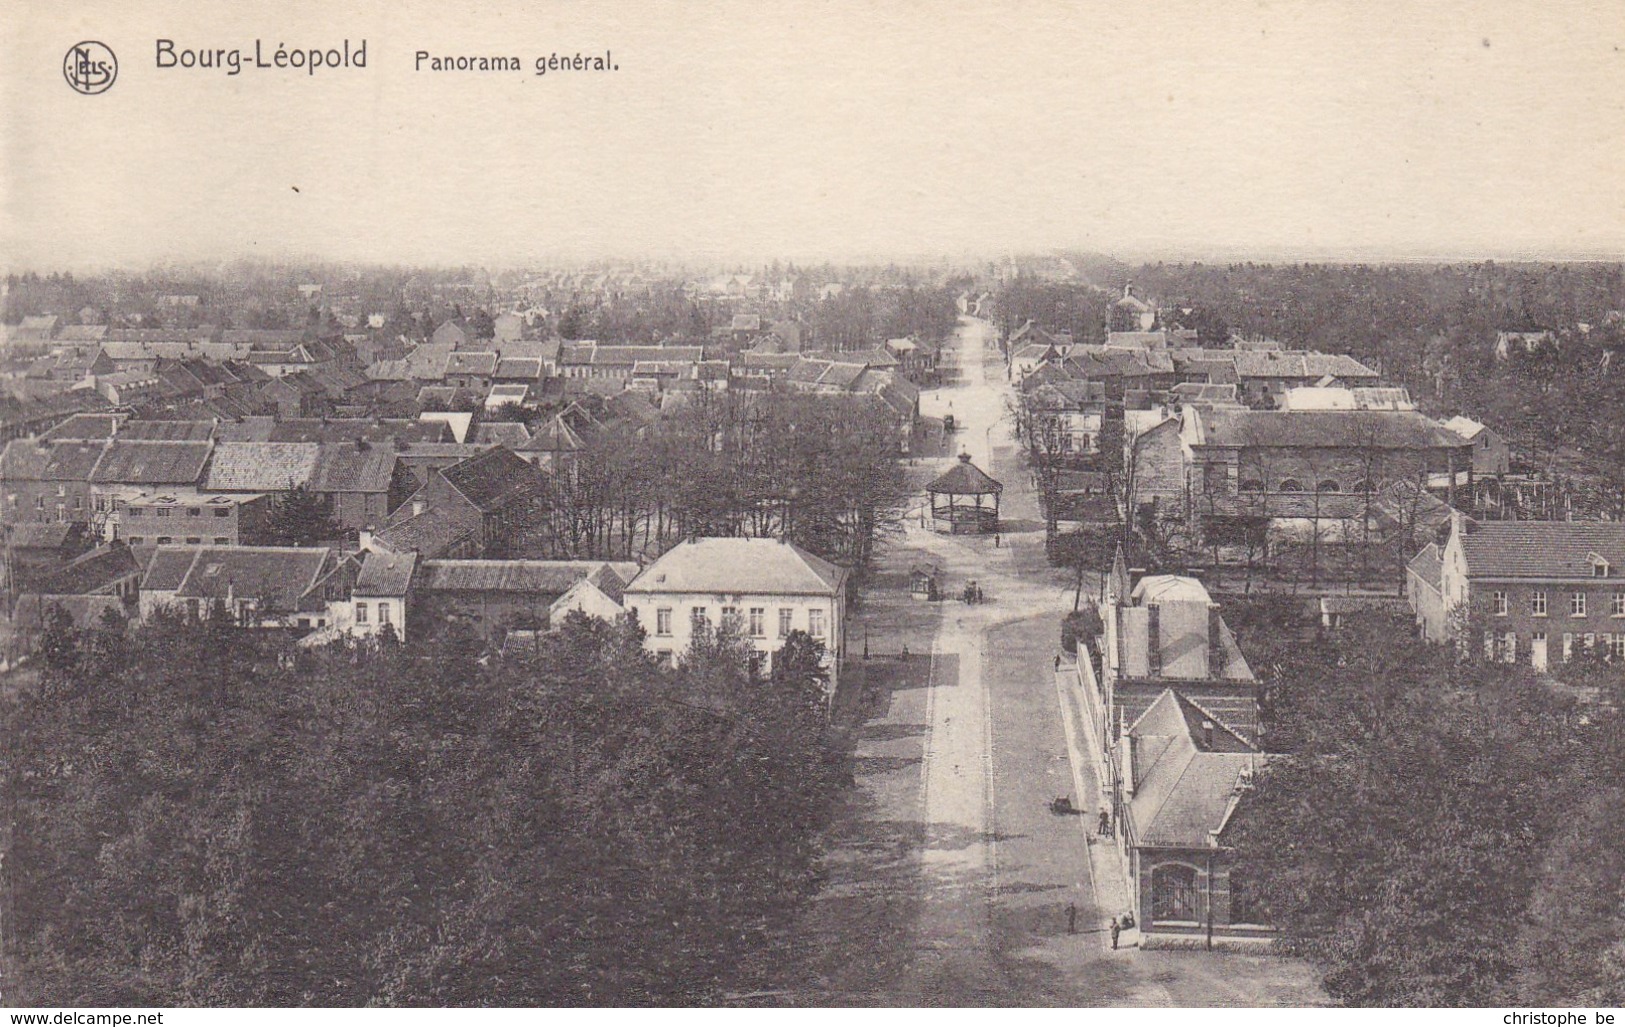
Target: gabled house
{"points": [[1533, 591], [1066, 417], [1491, 454], [1184, 773], [495, 597], [471, 509], [258, 586], [762, 588]]}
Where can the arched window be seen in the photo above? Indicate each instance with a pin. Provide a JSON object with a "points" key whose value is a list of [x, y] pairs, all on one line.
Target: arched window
{"points": [[1328, 486], [1246, 904], [1360, 487], [1251, 485], [1173, 892], [1290, 485]]}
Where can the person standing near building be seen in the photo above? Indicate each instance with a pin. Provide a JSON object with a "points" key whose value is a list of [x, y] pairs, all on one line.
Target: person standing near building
{"points": [[1072, 918], [1117, 928]]}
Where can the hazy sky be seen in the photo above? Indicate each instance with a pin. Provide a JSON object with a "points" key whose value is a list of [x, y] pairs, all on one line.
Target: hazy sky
{"points": [[811, 130]]}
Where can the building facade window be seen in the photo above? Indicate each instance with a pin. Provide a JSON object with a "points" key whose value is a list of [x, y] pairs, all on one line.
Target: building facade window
{"points": [[383, 613], [1616, 647], [699, 618], [1498, 603], [361, 613], [1537, 603], [1577, 604], [786, 618], [1173, 892], [1289, 485], [1619, 604], [730, 618], [815, 623], [663, 620], [758, 622]]}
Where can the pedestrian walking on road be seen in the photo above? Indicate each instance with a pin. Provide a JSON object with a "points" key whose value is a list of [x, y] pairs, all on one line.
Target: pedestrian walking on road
{"points": [[995, 540], [1117, 929], [1072, 918], [1057, 663], [1105, 826]]}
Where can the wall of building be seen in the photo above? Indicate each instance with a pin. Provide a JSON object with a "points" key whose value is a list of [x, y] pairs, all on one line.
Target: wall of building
{"points": [[647, 607], [1427, 603], [1212, 895]]}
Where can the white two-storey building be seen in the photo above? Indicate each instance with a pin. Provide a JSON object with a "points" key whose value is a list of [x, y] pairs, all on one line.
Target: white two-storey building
{"points": [[765, 588]]}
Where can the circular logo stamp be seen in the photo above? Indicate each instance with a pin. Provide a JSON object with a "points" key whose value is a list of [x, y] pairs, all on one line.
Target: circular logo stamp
{"points": [[90, 67]]}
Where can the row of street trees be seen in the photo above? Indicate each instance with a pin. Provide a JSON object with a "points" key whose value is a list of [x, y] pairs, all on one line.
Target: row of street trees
{"points": [[822, 471], [199, 815]]}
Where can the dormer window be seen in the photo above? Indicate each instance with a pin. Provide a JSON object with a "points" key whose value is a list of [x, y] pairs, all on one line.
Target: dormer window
{"points": [[1599, 566]]}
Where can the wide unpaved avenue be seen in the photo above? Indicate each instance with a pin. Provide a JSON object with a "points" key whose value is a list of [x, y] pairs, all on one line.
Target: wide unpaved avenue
{"points": [[950, 880]]}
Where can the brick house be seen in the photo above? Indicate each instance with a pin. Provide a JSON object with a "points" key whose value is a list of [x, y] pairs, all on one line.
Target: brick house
{"points": [[1184, 773], [1537, 591], [473, 508]]}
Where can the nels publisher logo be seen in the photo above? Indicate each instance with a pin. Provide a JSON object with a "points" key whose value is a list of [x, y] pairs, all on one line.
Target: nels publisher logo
{"points": [[90, 67]]}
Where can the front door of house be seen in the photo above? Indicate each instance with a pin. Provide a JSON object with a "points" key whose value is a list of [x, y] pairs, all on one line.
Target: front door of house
{"points": [[1537, 652]]}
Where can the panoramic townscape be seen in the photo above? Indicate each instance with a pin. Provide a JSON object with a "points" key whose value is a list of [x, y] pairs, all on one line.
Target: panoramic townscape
{"points": [[1049, 630], [633, 509]]}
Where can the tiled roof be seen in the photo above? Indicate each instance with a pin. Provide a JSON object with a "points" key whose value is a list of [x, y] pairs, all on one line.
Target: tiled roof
{"points": [[540, 577], [393, 430], [430, 533], [965, 479], [254, 428], [1466, 427], [385, 574], [262, 466], [1338, 429], [24, 460], [740, 565], [471, 362], [1544, 549], [166, 431], [343, 467], [155, 463], [94, 570], [520, 368], [84, 428], [276, 576], [167, 567], [493, 479], [1184, 788], [553, 437]]}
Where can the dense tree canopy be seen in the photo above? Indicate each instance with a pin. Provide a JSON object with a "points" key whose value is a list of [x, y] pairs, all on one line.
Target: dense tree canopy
{"points": [[201, 815], [1417, 834]]}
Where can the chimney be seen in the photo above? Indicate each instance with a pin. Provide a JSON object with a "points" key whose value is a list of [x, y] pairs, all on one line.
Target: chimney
{"points": [[363, 540], [418, 506]]}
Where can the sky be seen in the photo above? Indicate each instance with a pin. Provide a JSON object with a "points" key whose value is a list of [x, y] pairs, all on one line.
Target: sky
{"points": [[839, 130]]}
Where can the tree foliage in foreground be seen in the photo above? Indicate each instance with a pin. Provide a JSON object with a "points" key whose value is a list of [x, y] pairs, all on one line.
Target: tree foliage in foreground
{"points": [[202, 816], [1434, 833]]}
